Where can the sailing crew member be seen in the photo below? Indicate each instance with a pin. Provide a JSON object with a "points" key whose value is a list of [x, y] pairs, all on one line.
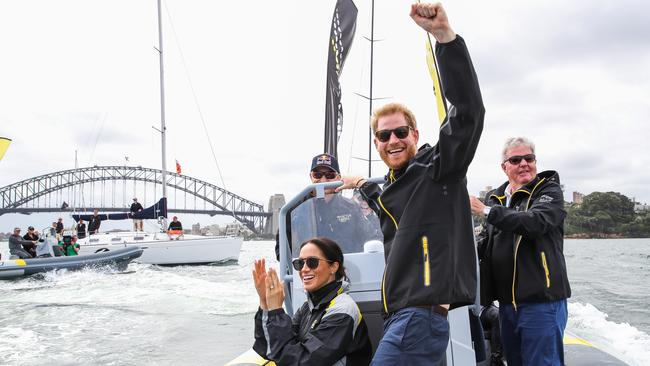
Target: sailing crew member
{"points": [[175, 229], [59, 228], [135, 208], [16, 243], [95, 223], [31, 236], [522, 259], [72, 248], [328, 329], [424, 207], [81, 229]]}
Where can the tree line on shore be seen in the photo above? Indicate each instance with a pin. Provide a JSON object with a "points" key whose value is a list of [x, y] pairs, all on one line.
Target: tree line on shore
{"points": [[606, 215]]}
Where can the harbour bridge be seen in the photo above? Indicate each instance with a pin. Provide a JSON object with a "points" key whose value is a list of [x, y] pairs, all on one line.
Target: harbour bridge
{"points": [[110, 189]]}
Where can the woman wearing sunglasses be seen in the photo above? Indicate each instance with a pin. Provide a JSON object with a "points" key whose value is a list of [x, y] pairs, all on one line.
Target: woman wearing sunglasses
{"points": [[327, 329]]}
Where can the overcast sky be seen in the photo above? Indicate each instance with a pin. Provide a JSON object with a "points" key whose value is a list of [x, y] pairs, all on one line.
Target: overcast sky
{"points": [[83, 75]]}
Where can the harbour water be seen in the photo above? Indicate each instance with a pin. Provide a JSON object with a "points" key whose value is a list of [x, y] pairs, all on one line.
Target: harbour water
{"points": [[202, 315]]}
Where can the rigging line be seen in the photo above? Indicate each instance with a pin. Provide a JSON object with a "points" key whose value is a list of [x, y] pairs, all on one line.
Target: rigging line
{"points": [[354, 124], [92, 152], [99, 133], [196, 101]]}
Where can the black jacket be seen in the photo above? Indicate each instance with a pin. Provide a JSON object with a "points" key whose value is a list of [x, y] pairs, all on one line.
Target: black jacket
{"points": [[521, 254], [424, 208], [175, 226], [94, 224], [328, 331], [136, 207]]}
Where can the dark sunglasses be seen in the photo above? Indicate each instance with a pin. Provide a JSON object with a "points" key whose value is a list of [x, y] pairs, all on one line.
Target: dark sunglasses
{"points": [[400, 133], [328, 175], [516, 159], [312, 263]]}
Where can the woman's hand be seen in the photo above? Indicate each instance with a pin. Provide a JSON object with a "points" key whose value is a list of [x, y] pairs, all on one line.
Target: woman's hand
{"points": [[259, 279], [274, 290]]}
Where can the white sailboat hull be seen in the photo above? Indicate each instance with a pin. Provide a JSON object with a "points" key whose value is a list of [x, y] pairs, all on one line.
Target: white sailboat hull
{"points": [[159, 249]]}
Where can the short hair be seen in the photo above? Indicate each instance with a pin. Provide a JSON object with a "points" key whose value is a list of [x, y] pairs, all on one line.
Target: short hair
{"points": [[332, 252], [513, 142], [389, 109]]}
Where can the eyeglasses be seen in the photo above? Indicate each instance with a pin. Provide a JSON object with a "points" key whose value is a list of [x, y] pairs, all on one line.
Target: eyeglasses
{"points": [[328, 175], [312, 263], [516, 159], [400, 133]]}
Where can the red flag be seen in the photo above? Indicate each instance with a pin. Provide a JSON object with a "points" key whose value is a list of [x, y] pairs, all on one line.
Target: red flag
{"points": [[178, 167]]}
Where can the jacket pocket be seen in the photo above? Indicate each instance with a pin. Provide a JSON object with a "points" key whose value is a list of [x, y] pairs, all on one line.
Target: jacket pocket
{"points": [[546, 272], [425, 264]]}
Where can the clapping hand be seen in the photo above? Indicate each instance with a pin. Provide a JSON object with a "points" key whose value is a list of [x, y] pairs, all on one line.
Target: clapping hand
{"points": [[259, 279], [274, 290]]}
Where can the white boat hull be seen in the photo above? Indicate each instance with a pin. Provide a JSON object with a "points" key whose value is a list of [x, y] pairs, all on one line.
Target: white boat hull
{"points": [[158, 249]]}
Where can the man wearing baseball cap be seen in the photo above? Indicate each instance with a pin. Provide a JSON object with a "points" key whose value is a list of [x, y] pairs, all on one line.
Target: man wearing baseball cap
{"points": [[336, 217]]}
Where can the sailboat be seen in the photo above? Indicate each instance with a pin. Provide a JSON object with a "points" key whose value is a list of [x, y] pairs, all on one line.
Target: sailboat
{"points": [[158, 247]]}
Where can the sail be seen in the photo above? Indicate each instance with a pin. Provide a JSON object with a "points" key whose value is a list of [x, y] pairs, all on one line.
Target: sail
{"points": [[441, 102], [152, 212], [4, 145], [344, 23]]}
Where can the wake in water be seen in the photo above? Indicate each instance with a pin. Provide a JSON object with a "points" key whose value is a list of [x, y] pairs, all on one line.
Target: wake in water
{"points": [[620, 339]]}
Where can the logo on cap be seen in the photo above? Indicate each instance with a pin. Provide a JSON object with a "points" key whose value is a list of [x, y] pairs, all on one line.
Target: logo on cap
{"points": [[324, 160]]}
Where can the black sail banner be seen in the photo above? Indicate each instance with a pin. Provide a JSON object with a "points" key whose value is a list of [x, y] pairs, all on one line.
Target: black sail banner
{"points": [[344, 23]]}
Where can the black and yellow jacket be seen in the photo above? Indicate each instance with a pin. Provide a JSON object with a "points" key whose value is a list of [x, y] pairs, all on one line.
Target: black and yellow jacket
{"points": [[424, 208], [521, 255], [328, 329]]}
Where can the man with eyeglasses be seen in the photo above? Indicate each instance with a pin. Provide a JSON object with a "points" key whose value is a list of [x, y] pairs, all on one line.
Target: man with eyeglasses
{"points": [[522, 260], [424, 207], [335, 217]]}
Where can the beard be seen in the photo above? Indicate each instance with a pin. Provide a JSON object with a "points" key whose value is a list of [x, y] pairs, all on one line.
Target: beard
{"points": [[398, 162]]}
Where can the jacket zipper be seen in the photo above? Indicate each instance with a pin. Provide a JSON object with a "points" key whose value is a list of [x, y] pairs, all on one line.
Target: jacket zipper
{"points": [[383, 279], [514, 271], [425, 254], [546, 272]]}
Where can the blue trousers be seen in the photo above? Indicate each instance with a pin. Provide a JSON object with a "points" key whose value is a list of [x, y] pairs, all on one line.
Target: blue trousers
{"points": [[413, 336], [532, 335]]}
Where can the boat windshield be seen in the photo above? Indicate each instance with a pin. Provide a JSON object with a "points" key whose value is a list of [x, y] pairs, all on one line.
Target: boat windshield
{"points": [[349, 222]]}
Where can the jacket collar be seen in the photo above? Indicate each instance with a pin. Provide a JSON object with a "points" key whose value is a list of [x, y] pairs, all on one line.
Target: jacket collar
{"points": [[527, 189], [394, 174], [323, 296]]}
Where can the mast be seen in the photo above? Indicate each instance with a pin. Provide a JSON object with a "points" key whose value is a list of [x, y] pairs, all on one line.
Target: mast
{"points": [[372, 45], [162, 111]]}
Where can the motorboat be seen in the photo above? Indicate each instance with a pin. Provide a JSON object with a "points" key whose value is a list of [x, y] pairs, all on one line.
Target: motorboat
{"points": [[118, 259], [364, 266]]}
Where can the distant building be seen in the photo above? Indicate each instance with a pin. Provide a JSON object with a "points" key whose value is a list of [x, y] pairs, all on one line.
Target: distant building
{"points": [[238, 229], [275, 204], [578, 197], [641, 207], [196, 229]]}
